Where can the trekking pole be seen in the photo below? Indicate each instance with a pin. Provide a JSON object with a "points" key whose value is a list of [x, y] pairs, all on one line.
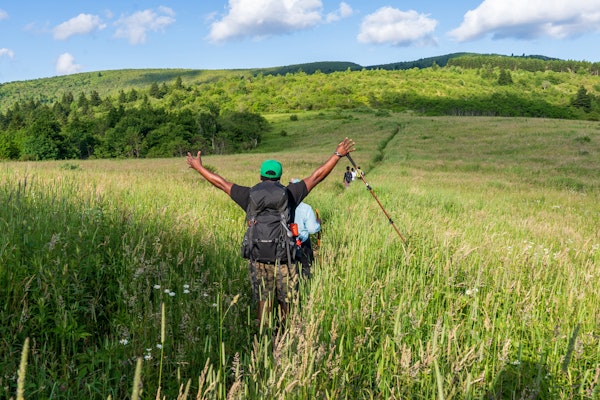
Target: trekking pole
{"points": [[318, 248], [370, 189]]}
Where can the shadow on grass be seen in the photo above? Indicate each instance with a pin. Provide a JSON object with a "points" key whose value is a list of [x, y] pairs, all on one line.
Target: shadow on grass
{"points": [[522, 380], [84, 280]]}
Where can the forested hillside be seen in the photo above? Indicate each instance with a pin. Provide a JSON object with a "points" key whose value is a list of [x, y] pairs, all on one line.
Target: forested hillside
{"points": [[163, 113]]}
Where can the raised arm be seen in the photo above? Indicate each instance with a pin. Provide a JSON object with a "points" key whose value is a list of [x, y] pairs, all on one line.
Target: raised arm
{"points": [[217, 180], [345, 147]]}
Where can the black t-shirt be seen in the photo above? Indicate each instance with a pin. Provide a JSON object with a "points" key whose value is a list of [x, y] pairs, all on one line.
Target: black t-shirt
{"points": [[297, 192]]}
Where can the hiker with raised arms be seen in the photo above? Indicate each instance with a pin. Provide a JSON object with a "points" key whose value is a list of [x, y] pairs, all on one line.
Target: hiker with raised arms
{"points": [[268, 243]]}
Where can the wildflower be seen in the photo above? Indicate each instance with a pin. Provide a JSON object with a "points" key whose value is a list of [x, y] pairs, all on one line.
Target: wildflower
{"points": [[471, 292], [148, 357], [172, 294], [158, 346], [186, 291], [167, 291], [123, 341], [156, 287], [186, 286]]}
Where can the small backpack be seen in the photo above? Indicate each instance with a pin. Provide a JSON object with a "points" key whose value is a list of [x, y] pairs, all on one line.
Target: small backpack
{"points": [[268, 237]]}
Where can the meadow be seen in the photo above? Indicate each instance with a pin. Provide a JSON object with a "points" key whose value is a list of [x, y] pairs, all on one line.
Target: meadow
{"points": [[123, 278]]}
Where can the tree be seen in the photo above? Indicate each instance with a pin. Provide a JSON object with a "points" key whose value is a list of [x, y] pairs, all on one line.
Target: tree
{"points": [[154, 91], [79, 134], [95, 99], [43, 139], [582, 100], [8, 148], [505, 78], [178, 83], [242, 130]]}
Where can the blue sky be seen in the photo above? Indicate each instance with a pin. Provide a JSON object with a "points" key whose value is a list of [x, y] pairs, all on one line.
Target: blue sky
{"points": [[41, 39]]}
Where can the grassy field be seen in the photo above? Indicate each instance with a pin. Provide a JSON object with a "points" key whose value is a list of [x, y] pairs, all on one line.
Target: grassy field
{"points": [[494, 295]]}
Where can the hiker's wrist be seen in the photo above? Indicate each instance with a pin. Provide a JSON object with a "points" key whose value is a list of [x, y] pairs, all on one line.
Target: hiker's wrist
{"points": [[337, 153]]}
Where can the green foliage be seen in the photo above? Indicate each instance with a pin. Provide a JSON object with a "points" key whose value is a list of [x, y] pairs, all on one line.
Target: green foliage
{"points": [[524, 63], [582, 100], [161, 113], [505, 78], [242, 130]]}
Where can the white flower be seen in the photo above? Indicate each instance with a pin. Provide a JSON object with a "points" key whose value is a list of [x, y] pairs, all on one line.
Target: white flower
{"points": [[159, 346], [167, 291], [186, 291], [172, 294], [124, 341], [471, 292], [186, 286], [156, 286], [148, 357]]}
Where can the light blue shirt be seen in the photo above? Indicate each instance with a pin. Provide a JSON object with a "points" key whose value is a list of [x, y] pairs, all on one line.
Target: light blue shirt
{"points": [[306, 220]]}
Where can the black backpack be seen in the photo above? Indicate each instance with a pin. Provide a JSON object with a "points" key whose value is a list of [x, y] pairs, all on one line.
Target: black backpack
{"points": [[268, 237], [348, 176]]}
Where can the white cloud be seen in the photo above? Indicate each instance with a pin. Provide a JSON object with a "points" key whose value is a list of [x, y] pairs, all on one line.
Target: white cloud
{"points": [[399, 28], [3, 14], [4, 52], [79, 25], [529, 19], [135, 26], [262, 18], [344, 11], [65, 64]]}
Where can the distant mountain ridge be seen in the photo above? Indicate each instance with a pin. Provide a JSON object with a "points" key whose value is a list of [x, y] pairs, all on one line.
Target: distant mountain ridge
{"points": [[335, 66]]}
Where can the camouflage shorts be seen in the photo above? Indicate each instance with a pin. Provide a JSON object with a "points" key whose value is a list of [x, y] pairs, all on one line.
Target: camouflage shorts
{"points": [[269, 280]]}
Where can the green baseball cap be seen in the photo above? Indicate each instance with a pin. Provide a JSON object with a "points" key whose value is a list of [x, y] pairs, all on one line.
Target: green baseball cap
{"points": [[271, 169]]}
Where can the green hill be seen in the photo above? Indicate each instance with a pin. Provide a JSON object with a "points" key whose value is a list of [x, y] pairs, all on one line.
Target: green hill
{"points": [[48, 90], [161, 112]]}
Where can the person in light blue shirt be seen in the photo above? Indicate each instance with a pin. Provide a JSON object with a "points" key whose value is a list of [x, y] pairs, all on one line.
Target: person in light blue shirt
{"points": [[308, 224]]}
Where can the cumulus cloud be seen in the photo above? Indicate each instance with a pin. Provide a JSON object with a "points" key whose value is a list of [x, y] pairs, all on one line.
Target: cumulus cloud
{"points": [[399, 28], [65, 64], [529, 19], [79, 25], [135, 27], [343, 12], [4, 52], [3, 14], [263, 18]]}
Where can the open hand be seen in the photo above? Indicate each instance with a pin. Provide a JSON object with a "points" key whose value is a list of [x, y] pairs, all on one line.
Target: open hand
{"points": [[345, 147], [194, 162]]}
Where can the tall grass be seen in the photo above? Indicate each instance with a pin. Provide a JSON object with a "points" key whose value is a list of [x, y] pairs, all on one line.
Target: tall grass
{"points": [[493, 296]]}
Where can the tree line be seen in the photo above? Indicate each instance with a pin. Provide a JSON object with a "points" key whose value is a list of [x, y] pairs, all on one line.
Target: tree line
{"points": [[525, 63], [223, 112], [129, 126]]}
